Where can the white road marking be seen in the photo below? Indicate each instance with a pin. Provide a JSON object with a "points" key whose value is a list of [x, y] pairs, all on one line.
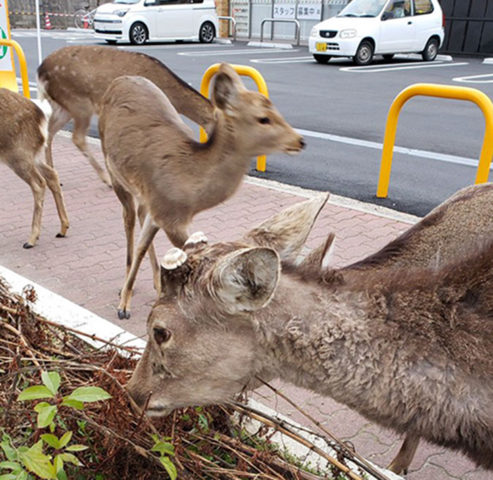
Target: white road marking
{"points": [[401, 66], [283, 60], [488, 78], [235, 52], [174, 45], [441, 157]]}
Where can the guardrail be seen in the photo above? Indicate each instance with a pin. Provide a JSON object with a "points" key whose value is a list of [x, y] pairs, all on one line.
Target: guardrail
{"points": [[441, 91], [9, 79], [282, 20], [251, 72], [233, 21]]}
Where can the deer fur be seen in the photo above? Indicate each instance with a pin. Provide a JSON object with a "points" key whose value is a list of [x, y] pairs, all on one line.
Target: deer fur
{"points": [[408, 348], [73, 79], [154, 161], [23, 132]]}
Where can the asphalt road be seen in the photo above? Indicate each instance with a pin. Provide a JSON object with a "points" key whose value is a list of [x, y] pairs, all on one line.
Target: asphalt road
{"points": [[342, 111]]}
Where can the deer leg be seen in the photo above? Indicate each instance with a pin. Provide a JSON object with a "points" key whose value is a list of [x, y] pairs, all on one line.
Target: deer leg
{"points": [[403, 459], [128, 205], [81, 125], [25, 169], [156, 274], [51, 177], [149, 230], [59, 117]]}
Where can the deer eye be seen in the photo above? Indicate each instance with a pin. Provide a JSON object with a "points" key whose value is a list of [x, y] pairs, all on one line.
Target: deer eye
{"points": [[264, 120], [161, 335]]}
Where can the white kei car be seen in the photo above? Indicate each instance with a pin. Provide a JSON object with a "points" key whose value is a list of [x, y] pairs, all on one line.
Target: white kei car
{"points": [[139, 21], [386, 27]]}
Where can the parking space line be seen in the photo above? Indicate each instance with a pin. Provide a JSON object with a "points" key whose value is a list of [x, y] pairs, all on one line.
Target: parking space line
{"points": [[283, 60], [401, 66], [236, 52], [475, 78]]}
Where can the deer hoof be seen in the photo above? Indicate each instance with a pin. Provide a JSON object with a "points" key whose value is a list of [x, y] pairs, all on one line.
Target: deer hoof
{"points": [[123, 314], [60, 235], [27, 245]]}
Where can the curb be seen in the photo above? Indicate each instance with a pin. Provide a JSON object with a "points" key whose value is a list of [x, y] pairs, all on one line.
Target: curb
{"points": [[286, 46]]}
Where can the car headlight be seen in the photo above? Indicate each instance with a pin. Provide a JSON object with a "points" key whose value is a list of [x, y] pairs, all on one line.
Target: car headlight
{"points": [[121, 13], [314, 32], [348, 33]]}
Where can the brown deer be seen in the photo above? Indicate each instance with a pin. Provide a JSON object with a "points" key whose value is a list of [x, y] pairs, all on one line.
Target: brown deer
{"points": [[409, 348], [23, 132], [73, 79], [154, 161]]}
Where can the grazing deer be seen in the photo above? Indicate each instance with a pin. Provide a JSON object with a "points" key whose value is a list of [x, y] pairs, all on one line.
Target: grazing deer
{"points": [[154, 161], [409, 348], [73, 79], [23, 132]]}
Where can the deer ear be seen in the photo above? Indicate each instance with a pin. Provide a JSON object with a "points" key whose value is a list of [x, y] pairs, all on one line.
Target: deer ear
{"points": [[245, 280], [287, 231], [227, 85]]}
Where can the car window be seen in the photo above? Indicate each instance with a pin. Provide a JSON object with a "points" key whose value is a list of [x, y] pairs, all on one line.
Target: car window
{"points": [[172, 2], [362, 8], [422, 7], [398, 9]]}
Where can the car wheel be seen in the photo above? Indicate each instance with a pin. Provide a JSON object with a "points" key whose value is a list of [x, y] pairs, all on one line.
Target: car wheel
{"points": [[388, 57], [323, 59], [138, 33], [364, 54], [207, 32], [431, 50], [111, 42]]}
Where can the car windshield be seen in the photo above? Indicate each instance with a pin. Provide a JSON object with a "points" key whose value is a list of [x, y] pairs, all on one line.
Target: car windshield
{"points": [[363, 8], [127, 2]]}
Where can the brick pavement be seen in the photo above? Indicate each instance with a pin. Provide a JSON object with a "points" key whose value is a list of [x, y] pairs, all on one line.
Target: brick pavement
{"points": [[88, 266]]}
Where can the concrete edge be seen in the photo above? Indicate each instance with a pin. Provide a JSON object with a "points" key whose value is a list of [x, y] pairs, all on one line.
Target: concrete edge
{"points": [[286, 46], [66, 313], [488, 61], [345, 202]]}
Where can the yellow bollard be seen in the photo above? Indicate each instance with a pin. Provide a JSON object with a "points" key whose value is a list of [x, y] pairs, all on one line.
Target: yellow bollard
{"points": [[441, 91], [240, 70], [8, 79]]}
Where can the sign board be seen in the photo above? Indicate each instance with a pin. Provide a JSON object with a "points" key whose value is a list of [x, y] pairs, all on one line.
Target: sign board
{"points": [[284, 10], [309, 11], [241, 13], [7, 67]]}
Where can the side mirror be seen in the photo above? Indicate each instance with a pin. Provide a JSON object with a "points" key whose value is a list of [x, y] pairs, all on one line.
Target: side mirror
{"points": [[386, 16]]}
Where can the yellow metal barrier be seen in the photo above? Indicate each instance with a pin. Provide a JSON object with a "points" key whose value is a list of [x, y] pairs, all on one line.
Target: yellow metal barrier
{"points": [[442, 91], [9, 79], [240, 70]]}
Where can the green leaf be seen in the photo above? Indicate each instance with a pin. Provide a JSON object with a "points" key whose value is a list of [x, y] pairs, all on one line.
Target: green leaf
{"points": [[76, 448], [46, 415], [58, 463], [7, 448], [163, 448], [37, 462], [34, 393], [10, 465], [8, 476], [170, 467], [61, 475], [67, 402], [22, 476], [66, 437], [89, 394], [68, 457], [52, 381], [51, 440]]}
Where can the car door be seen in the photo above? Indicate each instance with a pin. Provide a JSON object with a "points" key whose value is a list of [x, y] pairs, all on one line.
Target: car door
{"points": [[397, 28], [174, 19]]}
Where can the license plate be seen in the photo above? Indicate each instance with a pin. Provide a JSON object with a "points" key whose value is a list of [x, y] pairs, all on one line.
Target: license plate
{"points": [[321, 47]]}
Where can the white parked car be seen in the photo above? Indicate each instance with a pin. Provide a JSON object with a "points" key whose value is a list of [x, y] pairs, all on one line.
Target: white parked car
{"points": [[139, 21], [368, 27]]}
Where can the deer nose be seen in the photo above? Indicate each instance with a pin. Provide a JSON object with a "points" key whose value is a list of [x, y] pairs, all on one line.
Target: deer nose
{"points": [[302, 143]]}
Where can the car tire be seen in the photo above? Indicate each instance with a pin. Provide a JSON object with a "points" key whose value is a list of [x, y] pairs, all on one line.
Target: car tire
{"points": [[323, 59], [364, 53], [388, 57], [111, 42], [431, 50], [207, 32], [138, 34]]}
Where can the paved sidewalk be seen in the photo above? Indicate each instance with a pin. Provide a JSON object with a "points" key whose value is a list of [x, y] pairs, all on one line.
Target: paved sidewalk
{"points": [[88, 266]]}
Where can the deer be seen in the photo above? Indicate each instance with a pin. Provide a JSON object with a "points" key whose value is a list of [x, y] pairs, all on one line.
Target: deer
{"points": [[23, 133], [407, 347], [74, 78], [155, 163]]}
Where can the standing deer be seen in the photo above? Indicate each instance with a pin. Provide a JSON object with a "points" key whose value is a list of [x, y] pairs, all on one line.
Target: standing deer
{"points": [[409, 348], [73, 79], [23, 132], [154, 161]]}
